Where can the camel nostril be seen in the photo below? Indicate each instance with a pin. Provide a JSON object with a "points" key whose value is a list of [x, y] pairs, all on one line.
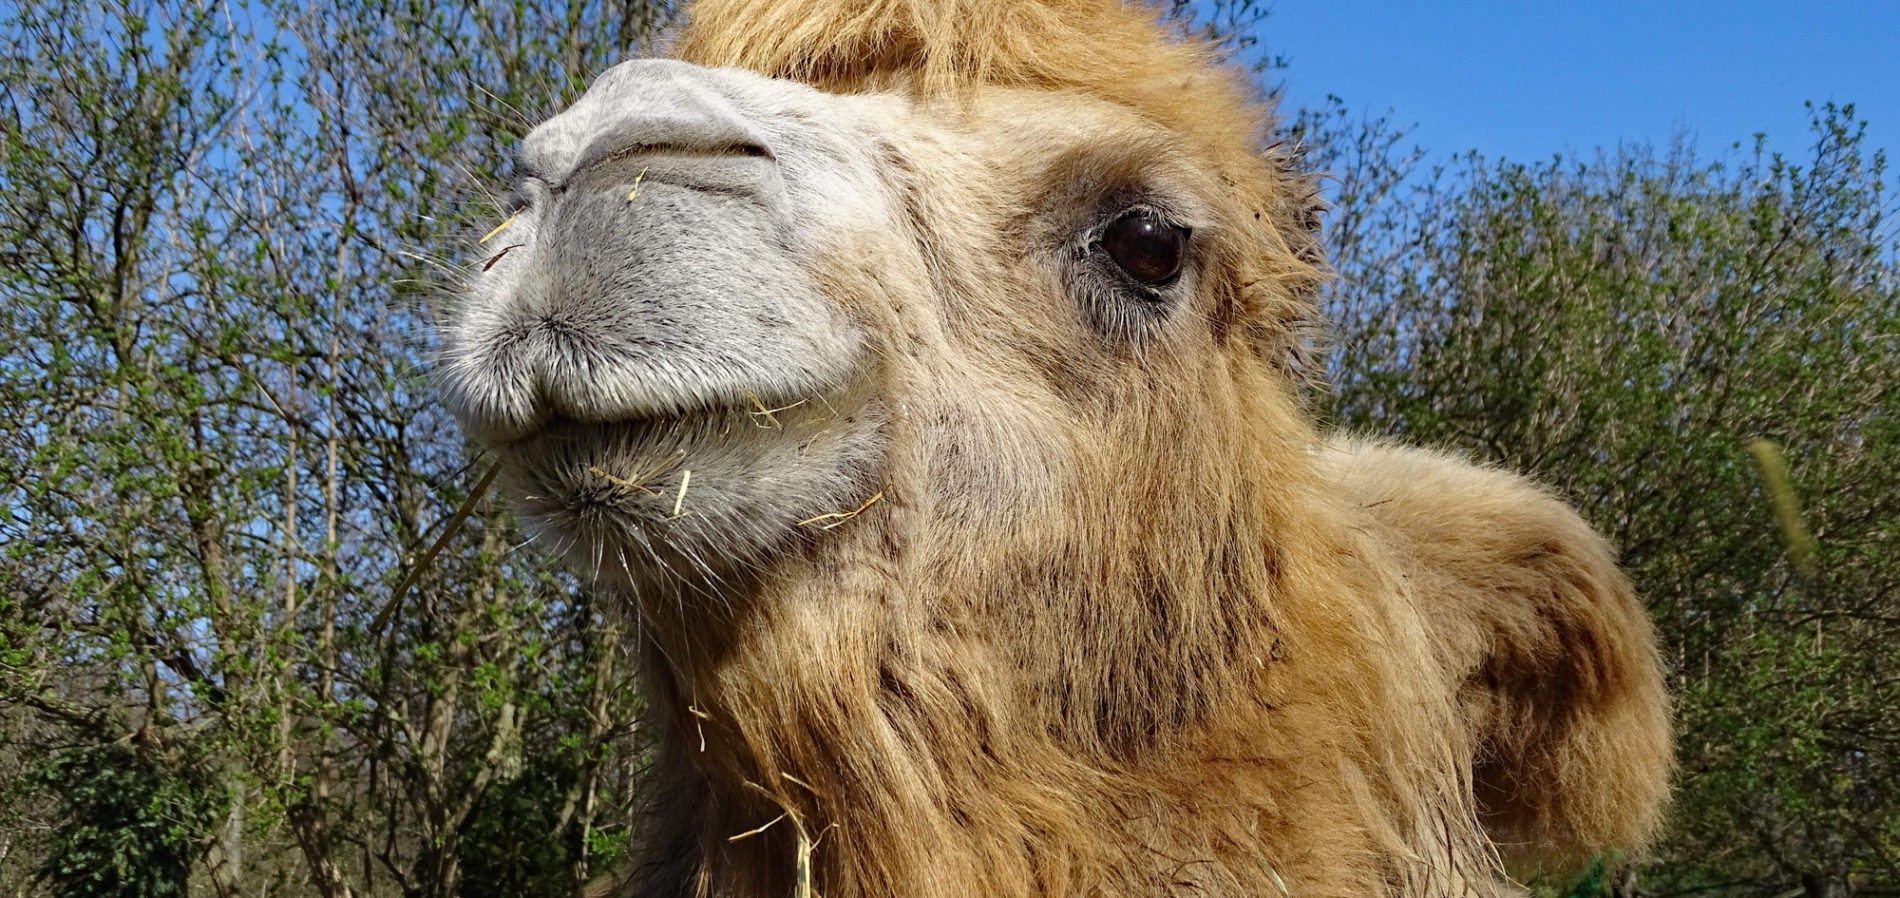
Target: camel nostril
{"points": [[636, 157]]}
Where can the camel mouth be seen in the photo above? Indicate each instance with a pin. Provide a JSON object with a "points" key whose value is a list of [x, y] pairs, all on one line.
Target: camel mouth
{"points": [[628, 464], [557, 424], [694, 494], [623, 466]]}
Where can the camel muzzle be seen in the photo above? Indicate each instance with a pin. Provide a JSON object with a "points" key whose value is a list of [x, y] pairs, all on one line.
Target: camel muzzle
{"points": [[647, 276]]}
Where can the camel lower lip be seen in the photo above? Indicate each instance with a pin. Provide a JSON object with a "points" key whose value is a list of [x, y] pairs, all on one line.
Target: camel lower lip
{"points": [[644, 467], [633, 467], [627, 453], [649, 501]]}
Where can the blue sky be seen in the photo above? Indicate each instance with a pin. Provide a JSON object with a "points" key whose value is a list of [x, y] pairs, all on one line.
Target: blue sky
{"points": [[1526, 79]]}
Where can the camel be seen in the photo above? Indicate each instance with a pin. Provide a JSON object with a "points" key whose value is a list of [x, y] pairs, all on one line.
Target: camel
{"points": [[926, 376]]}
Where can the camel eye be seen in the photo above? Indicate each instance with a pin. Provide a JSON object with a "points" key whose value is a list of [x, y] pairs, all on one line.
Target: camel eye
{"points": [[1146, 246]]}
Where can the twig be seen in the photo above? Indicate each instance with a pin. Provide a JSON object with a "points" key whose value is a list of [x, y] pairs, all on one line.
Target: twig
{"points": [[497, 257], [449, 530]]}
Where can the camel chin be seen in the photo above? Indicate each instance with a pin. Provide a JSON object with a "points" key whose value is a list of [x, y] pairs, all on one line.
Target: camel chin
{"points": [[668, 387]]}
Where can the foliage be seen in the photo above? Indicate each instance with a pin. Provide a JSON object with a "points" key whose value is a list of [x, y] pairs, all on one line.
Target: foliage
{"points": [[125, 827]]}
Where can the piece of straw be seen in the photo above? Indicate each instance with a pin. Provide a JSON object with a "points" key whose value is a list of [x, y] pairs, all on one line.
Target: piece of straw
{"points": [[501, 227], [622, 481], [1274, 875], [636, 185], [770, 414], [698, 716], [838, 518], [753, 832], [802, 866], [680, 500], [801, 859]]}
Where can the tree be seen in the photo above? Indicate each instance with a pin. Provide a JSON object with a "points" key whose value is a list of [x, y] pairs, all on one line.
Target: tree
{"points": [[248, 569]]}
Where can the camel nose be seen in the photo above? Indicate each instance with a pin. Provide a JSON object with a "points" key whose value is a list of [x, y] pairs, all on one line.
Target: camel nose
{"points": [[638, 108]]}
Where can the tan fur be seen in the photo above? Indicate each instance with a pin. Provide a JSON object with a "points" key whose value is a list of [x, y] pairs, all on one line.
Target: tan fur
{"points": [[1124, 624]]}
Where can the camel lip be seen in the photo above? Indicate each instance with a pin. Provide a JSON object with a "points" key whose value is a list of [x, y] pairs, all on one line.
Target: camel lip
{"points": [[574, 465], [758, 407]]}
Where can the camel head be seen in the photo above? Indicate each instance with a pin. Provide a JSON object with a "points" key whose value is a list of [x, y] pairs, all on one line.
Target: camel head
{"points": [[1003, 294], [925, 374]]}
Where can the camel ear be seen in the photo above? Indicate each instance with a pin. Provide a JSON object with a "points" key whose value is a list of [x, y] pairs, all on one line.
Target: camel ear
{"points": [[1555, 661]]}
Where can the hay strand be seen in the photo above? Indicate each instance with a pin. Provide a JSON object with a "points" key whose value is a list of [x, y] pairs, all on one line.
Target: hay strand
{"points": [[621, 482], [770, 414], [801, 859], [755, 831], [838, 518], [500, 227], [679, 501]]}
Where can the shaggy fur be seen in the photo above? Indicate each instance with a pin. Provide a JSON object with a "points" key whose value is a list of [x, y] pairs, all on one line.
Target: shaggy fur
{"points": [[1102, 613]]}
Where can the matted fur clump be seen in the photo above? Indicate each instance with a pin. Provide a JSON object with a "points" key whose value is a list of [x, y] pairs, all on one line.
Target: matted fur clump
{"points": [[975, 557]]}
